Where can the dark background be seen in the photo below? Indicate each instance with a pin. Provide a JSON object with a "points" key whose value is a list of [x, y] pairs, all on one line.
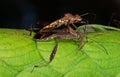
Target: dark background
{"points": [[26, 13]]}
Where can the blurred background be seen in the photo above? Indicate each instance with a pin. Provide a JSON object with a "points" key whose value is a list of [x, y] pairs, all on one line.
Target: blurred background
{"points": [[23, 14]]}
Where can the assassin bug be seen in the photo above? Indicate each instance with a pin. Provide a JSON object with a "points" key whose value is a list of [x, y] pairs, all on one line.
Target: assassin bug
{"points": [[66, 20], [66, 33], [51, 32]]}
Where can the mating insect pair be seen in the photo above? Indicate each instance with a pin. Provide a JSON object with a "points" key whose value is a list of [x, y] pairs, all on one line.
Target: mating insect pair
{"points": [[63, 28], [68, 31]]}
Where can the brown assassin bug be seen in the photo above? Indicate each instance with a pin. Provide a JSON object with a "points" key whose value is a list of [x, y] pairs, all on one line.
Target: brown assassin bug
{"points": [[50, 32], [66, 20], [66, 33]]}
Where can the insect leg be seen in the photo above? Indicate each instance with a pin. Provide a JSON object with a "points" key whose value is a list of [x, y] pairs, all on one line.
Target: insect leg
{"points": [[36, 66], [82, 42], [101, 46], [32, 29], [111, 18], [52, 55], [83, 37], [74, 26]]}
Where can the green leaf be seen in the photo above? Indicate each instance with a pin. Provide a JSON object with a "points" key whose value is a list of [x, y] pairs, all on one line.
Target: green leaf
{"points": [[19, 54], [97, 28]]}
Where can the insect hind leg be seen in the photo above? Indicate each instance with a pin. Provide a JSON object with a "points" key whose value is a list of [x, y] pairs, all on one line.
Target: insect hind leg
{"points": [[52, 55], [80, 36]]}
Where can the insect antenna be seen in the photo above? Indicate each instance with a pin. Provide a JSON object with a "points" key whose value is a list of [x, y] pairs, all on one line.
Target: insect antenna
{"points": [[93, 14]]}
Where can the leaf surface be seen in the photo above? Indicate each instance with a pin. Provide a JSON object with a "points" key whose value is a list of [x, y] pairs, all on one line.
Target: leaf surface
{"points": [[19, 54]]}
